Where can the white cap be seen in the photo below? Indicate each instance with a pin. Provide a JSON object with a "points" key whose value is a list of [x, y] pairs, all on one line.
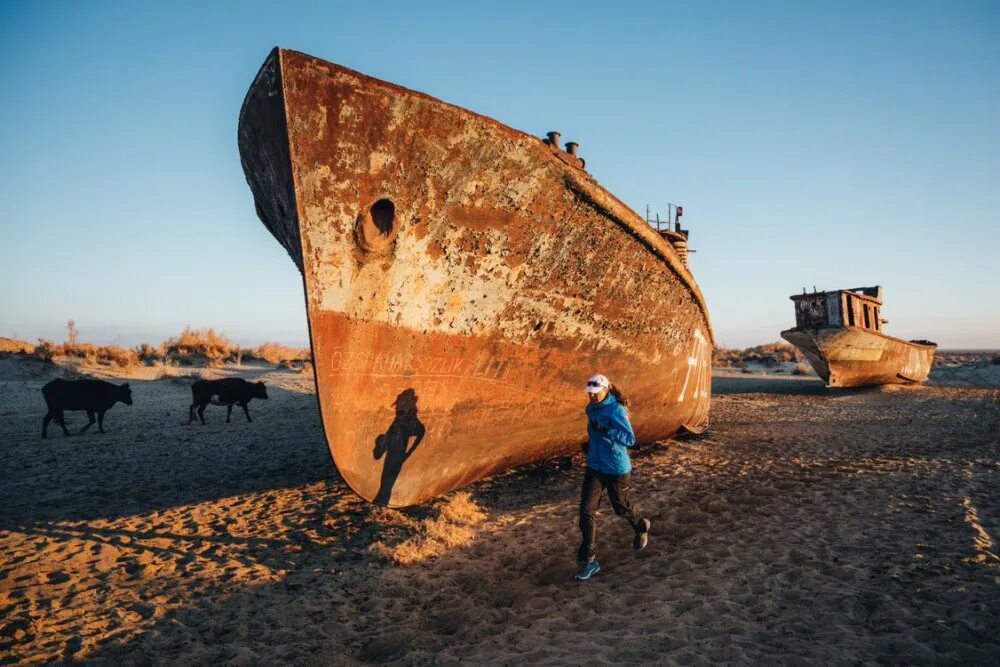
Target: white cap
{"points": [[596, 383]]}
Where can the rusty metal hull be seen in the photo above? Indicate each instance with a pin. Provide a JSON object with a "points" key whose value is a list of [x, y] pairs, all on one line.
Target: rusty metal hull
{"points": [[462, 279], [855, 357]]}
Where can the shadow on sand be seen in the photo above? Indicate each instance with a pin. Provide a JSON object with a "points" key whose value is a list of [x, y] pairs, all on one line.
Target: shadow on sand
{"points": [[763, 384]]}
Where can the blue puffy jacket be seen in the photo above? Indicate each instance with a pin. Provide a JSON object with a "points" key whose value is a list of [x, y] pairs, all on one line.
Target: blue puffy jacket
{"points": [[608, 442]]}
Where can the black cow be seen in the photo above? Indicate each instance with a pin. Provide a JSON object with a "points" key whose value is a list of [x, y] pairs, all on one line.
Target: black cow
{"points": [[94, 396], [224, 392]]}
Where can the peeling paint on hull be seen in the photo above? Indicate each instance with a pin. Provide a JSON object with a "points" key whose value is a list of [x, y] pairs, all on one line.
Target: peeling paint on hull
{"points": [[854, 357], [462, 280]]}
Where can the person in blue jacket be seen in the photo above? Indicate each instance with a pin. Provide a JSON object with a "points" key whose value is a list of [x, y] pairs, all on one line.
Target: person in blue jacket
{"points": [[609, 435]]}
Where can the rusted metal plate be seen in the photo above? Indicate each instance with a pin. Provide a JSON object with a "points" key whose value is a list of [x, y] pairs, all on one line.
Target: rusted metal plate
{"points": [[840, 334], [462, 281]]}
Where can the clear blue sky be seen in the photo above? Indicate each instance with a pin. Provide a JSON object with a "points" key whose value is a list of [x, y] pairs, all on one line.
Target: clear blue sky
{"points": [[833, 144]]}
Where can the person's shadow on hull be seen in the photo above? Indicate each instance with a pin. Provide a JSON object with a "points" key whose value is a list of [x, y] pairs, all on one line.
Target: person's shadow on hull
{"points": [[395, 445]]}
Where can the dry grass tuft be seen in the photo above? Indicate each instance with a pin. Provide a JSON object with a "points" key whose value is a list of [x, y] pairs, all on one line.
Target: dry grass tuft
{"points": [[452, 526], [200, 343], [16, 346], [462, 509], [802, 368]]}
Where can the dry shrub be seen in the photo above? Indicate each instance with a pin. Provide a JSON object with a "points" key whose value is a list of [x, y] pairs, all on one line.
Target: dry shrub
{"points": [[117, 356], [45, 350], [296, 365], [109, 355], [199, 342], [724, 357], [453, 526], [85, 351], [275, 353], [769, 354], [148, 354], [801, 369]]}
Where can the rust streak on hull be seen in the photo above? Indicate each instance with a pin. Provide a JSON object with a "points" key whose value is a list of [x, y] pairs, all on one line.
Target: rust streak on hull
{"points": [[462, 279]]}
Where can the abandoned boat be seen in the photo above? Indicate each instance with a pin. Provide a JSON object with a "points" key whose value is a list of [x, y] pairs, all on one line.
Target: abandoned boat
{"points": [[462, 280], [840, 334]]}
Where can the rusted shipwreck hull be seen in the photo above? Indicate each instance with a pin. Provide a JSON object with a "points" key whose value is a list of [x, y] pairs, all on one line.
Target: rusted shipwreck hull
{"points": [[840, 333], [462, 280]]}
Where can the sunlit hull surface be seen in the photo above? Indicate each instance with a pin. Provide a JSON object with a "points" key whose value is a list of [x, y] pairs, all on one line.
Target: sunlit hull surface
{"points": [[453, 327]]}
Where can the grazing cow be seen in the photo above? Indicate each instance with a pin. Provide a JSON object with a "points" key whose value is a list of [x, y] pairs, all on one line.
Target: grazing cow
{"points": [[224, 392], [94, 396]]}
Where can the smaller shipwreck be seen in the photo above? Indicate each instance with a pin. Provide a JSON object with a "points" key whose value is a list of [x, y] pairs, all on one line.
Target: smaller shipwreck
{"points": [[840, 333]]}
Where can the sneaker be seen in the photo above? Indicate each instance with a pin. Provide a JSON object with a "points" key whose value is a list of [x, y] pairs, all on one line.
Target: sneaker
{"points": [[588, 569], [642, 539]]}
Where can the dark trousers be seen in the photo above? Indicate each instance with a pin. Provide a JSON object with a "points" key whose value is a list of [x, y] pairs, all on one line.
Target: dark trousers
{"points": [[594, 484]]}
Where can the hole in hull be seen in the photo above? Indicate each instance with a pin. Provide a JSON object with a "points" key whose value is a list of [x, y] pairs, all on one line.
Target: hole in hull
{"points": [[383, 215], [376, 228]]}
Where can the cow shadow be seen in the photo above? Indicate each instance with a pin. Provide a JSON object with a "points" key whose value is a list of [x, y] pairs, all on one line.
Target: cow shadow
{"points": [[394, 445]]}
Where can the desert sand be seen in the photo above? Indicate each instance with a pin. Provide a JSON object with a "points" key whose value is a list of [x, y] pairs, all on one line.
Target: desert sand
{"points": [[851, 526]]}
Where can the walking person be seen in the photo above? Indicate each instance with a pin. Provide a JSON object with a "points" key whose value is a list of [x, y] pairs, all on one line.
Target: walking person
{"points": [[609, 435]]}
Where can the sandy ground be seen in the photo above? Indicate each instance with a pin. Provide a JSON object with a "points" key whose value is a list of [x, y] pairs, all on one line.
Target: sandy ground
{"points": [[807, 526]]}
